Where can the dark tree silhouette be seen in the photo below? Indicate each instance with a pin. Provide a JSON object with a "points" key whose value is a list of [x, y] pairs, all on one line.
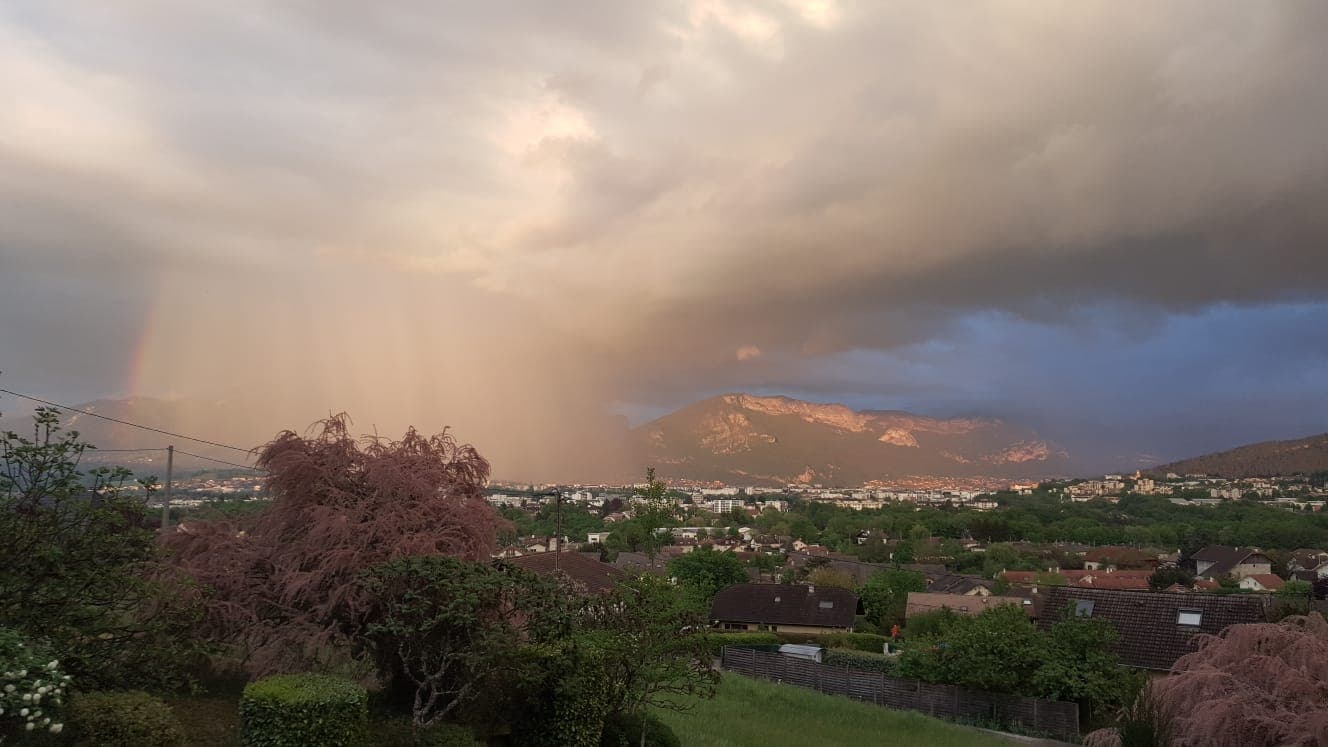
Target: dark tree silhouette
{"points": [[282, 583]]}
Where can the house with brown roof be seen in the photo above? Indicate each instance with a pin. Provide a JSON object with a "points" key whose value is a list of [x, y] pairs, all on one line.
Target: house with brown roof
{"points": [[1305, 561], [1262, 582], [1154, 628], [921, 602], [587, 574], [1217, 561], [785, 608]]}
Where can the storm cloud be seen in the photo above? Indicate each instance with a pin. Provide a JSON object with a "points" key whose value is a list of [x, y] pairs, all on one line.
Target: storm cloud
{"points": [[513, 216]]}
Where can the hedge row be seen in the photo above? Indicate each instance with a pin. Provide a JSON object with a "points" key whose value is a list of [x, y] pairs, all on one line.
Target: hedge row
{"points": [[844, 657], [719, 640], [303, 709], [859, 641]]}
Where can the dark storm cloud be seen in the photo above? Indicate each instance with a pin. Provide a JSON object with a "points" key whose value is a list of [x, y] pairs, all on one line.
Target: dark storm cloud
{"points": [[669, 197]]}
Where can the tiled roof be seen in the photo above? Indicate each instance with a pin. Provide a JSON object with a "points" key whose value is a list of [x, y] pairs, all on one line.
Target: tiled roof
{"points": [[1270, 581], [1224, 558], [954, 583], [594, 576], [786, 604], [921, 602], [1151, 636]]}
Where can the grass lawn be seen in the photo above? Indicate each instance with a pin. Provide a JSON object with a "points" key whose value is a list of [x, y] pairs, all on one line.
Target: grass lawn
{"points": [[754, 713]]}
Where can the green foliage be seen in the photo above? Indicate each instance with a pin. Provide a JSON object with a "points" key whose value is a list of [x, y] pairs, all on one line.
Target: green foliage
{"points": [[853, 659], [716, 641], [831, 577], [885, 596], [931, 624], [1165, 577], [1079, 666], [998, 650], [124, 719], [32, 686], [703, 572], [79, 566], [570, 702], [445, 631], [625, 730], [857, 641], [1295, 589], [301, 709], [653, 512]]}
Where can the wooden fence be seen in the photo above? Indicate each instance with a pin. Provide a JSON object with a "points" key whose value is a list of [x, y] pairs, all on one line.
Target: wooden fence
{"points": [[942, 701]]}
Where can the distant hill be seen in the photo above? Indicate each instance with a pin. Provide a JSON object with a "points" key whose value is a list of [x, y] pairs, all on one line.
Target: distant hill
{"points": [[742, 438], [1304, 455]]}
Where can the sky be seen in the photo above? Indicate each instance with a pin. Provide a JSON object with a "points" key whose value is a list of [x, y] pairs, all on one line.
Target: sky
{"points": [[538, 222]]}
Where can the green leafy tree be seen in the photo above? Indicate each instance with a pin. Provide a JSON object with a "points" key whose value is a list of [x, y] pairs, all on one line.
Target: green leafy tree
{"points": [[1163, 578], [1079, 666], [653, 512], [998, 650], [703, 572], [79, 566], [444, 631], [885, 596]]}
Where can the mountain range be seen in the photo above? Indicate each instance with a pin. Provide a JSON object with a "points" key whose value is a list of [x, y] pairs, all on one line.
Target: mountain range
{"points": [[742, 438], [733, 438]]}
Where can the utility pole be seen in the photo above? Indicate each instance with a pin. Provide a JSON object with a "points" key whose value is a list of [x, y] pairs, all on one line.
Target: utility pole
{"points": [[558, 528], [166, 500]]}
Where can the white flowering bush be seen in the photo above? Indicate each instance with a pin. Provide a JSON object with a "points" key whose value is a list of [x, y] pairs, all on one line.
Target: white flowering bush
{"points": [[32, 686]]}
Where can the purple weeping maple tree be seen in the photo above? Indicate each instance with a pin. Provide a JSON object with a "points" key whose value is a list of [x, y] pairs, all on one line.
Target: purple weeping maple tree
{"points": [[282, 585]]}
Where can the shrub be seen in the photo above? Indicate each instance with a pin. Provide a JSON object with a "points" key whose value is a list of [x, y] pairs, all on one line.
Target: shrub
{"points": [[856, 641], [624, 730], [930, 624], [32, 686], [718, 641], [302, 709], [124, 719], [845, 657]]}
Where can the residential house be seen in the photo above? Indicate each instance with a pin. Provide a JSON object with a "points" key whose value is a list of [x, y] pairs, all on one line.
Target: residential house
{"points": [[1309, 560], [1262, 582], [920, 602], [955, 583], [588, 575], [1154, 629], [1218, 561], [787, 608]]}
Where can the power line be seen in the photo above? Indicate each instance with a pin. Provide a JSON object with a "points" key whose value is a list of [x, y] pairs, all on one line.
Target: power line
{"points": [[218, 461], [94, 448], [132, 425]]}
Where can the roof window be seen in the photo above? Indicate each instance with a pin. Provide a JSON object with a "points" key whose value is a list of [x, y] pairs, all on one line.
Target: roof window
{"points": [[827, 605], [1189, 617], [1083, 608]]}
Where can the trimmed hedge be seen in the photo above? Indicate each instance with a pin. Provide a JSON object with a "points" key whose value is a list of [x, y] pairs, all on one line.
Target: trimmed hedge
{"points": [[124, 719], [623, 730], [846, 657], [289, 710], [718, 641], [869, 642]]}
